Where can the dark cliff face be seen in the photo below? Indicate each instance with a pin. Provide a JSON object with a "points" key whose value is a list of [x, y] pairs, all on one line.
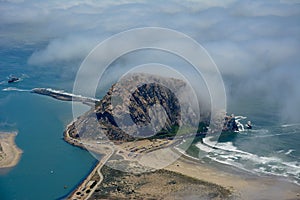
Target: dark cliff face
{"points": [[133, 117], [139, 106], [230, 124]]}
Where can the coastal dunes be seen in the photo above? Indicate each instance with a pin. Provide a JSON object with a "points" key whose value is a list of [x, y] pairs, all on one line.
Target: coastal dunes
{"points": [[159, 184], [10, 154]]}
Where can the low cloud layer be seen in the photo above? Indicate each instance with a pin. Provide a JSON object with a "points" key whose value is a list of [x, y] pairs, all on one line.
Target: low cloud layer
{"points": [[255, 44]]}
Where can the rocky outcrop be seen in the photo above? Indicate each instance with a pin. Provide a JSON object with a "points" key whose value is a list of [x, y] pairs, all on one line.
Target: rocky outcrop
{"points": [[138, 106], [230, 124], [64, 96]]}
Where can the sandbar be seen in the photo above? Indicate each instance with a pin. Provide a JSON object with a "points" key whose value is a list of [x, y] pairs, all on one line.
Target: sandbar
{"points": [[10, 154]]}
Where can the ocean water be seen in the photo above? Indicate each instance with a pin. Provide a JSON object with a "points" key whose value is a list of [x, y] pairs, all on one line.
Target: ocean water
{"points": [[49, 167], [270, 148]]}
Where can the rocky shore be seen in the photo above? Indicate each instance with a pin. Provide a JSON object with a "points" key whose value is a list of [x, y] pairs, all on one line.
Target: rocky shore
{"points": [[64, 96]]}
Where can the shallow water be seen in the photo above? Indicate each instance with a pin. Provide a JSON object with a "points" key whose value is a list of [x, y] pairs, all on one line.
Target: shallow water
{"points": [[49, 167]]}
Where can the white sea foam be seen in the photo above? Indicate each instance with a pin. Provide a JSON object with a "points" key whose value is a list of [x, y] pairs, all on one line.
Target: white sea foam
{"points": [[280, 151], [272, 135], [289, 151], [289, 125], [227, 153], [239, 124], [69, 94], [15, 89], [204, 148], [227, 146]]}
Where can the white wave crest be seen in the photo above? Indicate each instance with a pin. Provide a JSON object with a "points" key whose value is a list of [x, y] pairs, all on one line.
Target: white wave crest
{"points": [[15, 89], [227, 153], [289, 151], [239, 124], [289, 125]]}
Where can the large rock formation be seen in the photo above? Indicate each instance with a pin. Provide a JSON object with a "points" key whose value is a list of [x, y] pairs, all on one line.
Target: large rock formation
{"points": [[138, 106], [230, 124]]}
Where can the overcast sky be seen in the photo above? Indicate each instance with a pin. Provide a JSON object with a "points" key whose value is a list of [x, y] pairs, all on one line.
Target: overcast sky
{"points": [[260, 38]]}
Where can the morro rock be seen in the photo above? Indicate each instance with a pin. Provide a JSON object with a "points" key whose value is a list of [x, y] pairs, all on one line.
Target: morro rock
{"points": [[139, 106]]}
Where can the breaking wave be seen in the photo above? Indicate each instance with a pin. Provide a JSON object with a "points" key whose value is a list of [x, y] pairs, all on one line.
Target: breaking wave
{"points": [[239, 124], [227, 153]]}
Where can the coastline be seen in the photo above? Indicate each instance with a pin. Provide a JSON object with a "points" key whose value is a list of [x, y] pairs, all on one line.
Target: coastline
{"points": [[243, 185], [90, 182], [11, 153]]}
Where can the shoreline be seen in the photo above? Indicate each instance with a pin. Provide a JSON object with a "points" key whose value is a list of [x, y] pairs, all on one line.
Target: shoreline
{"points": [[242, 184], [10, 151], [80, 192]]}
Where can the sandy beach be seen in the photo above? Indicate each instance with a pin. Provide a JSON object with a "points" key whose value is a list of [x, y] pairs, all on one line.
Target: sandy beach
{"points": [[243, 184], [10, 154]]}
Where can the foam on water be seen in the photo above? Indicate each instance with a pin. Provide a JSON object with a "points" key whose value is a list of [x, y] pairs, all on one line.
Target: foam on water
{"points": [[67, 93], [15, 89], [272, 135], [227, 153], [239, 124], [289, 125], [289, 151]]}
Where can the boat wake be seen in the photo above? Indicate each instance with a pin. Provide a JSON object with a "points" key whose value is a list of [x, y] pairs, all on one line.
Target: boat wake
{"points": [[15, 89], [227, 153]]}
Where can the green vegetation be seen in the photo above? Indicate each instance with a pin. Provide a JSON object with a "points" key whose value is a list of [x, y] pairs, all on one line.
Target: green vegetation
{"points": [[176, 130], [124, 185]]}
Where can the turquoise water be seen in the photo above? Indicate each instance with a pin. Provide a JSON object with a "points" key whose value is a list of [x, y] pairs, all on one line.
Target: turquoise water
{"points": [[48, 163]]}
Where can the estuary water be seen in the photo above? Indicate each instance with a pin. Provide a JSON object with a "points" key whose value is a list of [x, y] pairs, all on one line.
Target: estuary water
{"points": [[49, 168]]}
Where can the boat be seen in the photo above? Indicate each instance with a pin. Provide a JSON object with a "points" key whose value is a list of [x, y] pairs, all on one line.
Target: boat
{"points": [[13, 79]]}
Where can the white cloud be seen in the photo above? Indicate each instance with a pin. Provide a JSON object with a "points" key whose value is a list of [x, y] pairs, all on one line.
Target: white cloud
{"points": [[261, 38], [63, 50]]}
